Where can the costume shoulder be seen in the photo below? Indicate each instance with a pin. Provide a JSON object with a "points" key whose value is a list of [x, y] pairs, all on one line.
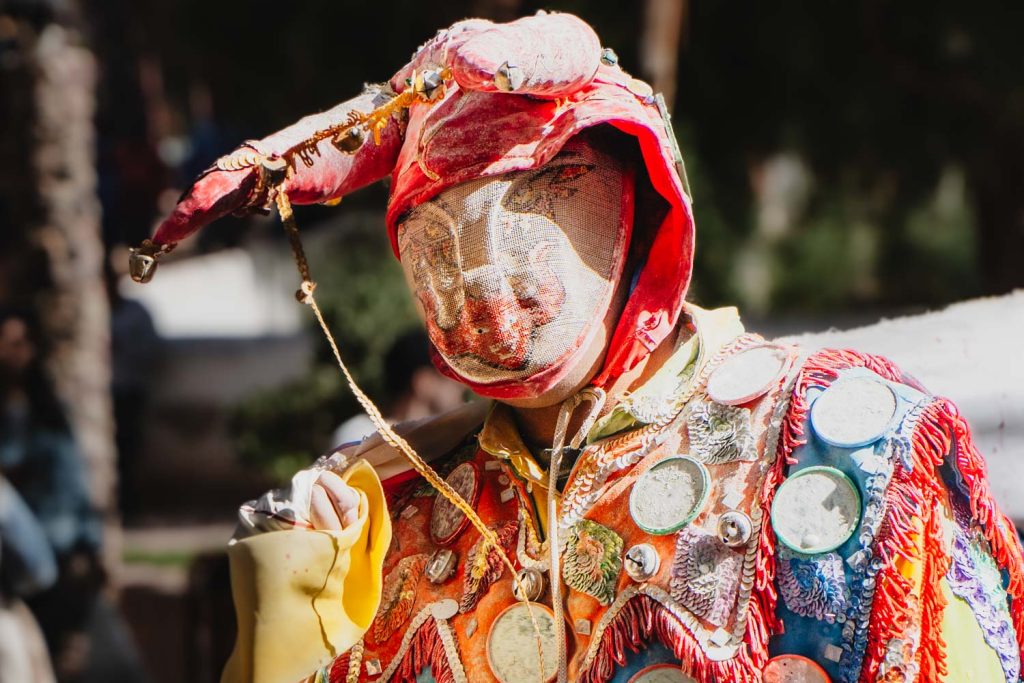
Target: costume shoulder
{"points": [[891, 559]]}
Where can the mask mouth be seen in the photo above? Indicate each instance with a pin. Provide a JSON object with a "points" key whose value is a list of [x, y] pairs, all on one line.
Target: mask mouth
{"points": [[514, 273], [497, 323]]}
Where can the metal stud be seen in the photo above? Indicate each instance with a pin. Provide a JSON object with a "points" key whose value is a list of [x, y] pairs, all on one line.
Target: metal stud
{"points": [[641, 562], [582, 627], [429, 85], [833, 653], [349, 141], [509, 77], [441, 566], [735, 528], [608, 57], [529, 585]]}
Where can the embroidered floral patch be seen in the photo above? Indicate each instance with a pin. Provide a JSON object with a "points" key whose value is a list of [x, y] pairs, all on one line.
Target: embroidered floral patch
{"points": [[705, 575], [484, 567], [592, 560], [398, 596], [720, 433], [813, 586]]}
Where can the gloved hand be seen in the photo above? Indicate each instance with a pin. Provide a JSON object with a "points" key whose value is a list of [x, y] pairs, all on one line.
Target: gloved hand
{"points": [[333, 504]]}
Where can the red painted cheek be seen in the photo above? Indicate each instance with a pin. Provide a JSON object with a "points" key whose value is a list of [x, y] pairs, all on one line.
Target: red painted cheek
{"points": [[498, 329]]}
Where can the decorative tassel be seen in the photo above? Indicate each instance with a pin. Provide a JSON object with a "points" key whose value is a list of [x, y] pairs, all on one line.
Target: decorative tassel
{"points": [[426, 649], [338, 672], [644, 618]]}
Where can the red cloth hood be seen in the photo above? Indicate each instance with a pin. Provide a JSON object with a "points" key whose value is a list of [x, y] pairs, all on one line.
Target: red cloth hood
{"points": [[562, 85]]}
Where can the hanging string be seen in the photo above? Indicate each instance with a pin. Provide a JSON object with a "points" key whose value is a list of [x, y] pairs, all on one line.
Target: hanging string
{"points": [[596, 397], [392, 438]]}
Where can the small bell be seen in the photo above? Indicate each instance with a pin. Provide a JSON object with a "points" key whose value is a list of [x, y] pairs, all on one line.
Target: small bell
{"points": [[141, 266], [441, 566], [642, 562], [735, 528], [529, 585], [429, 85], [349, 141], [508, 78], [273, 171]]}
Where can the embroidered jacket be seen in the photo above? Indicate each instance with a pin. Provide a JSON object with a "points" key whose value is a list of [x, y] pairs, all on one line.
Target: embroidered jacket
{"points": [[748, 514]]}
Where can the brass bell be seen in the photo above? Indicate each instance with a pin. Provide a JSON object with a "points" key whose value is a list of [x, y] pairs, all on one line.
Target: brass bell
{"points": [[642, 562], [429, 85], [349, 141], [441, 566], [735, 528], [529, 585], [508, 78], [141, 266]]}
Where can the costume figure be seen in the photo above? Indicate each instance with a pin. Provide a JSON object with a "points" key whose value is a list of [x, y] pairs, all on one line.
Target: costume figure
{"points": [[713, 507]]}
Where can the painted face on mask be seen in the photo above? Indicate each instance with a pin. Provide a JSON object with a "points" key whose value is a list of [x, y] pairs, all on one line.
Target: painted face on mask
{"points": [[514, 273]]}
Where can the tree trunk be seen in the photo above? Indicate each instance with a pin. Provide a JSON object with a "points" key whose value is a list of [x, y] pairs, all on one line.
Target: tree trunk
{"points": [[659, 49], [52, 252]]}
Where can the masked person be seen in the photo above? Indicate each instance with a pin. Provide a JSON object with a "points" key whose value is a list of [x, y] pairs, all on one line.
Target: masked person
{"points": [[681, 500]]}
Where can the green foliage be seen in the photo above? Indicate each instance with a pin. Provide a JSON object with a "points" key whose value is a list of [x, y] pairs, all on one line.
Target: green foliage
{"points": [[361, 290]]}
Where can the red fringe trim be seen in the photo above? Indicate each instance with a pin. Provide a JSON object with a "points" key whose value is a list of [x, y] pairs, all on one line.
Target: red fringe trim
{"points": [[940, 431], [426, 649], [821, 369], [912, 521], [642, 618], [339, 668]]}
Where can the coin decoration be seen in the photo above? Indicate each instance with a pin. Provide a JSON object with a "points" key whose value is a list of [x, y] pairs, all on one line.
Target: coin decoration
{"points": [[793, 668], [446, 520], [661, 673], [748, 375], [816, 510], [669, 495], [512, 644], [853, 412]]}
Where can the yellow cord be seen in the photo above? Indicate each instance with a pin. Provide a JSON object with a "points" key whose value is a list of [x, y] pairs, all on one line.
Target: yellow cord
{"points": [[392, 438]]}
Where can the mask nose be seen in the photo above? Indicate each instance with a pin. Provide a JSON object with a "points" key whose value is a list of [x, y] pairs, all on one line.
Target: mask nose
{"points": [[485, 282]]}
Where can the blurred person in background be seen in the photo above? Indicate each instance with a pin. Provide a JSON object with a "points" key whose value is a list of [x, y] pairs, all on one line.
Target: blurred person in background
{"points": [[655, 493], [416, 390], [40, 458], [27, 566]]}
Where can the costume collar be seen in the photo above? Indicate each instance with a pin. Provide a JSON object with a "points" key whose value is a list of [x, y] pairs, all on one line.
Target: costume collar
{"points": [[656, 399], [659, 398], [500, 437]]}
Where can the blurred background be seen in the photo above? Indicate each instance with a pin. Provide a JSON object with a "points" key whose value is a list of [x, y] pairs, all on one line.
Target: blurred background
{"points": [[849, 161]]}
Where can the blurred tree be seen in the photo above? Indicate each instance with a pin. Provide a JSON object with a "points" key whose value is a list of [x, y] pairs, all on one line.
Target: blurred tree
{"points": [[51, 253], [881, 100], [362, 291]]}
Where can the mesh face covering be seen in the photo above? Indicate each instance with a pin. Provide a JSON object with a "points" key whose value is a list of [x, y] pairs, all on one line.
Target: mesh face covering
{"points": [[515, 273]]}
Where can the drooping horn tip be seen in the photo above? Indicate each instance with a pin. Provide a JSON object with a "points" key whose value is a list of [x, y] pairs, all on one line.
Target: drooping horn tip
{"points": [[142, 260]]}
